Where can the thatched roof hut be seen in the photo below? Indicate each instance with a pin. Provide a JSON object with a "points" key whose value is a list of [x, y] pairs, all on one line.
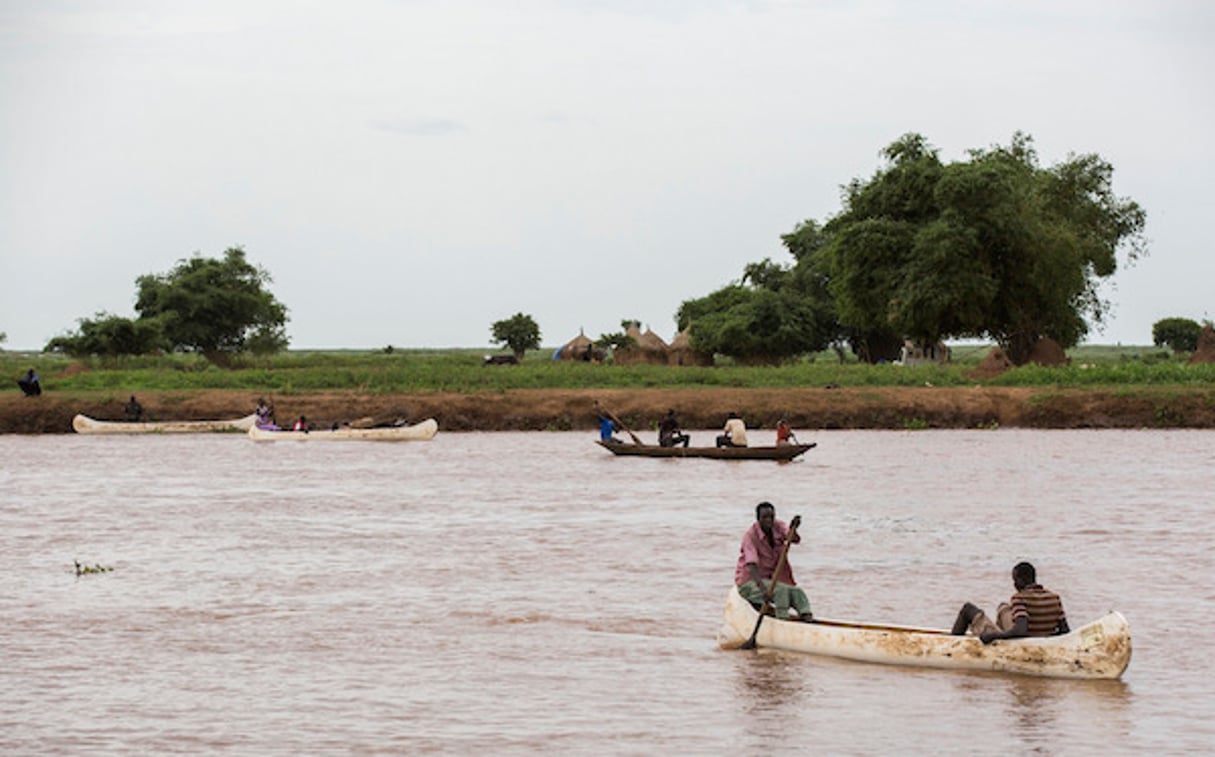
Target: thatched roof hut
{"points": [[651, 341], [649, 348], [681, 352], [578, 348]]}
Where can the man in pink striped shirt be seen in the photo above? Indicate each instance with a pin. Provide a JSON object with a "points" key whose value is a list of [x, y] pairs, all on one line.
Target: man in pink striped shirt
{"points": [[761, 549], [1032, 611]]}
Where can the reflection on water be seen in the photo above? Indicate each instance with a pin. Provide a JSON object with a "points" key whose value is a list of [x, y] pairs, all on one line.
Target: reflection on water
{"points": [[517, 593], [766, 683], [1039, 709]]}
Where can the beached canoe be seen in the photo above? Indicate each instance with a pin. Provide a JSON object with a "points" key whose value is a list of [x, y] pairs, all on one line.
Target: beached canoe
{"points": [[417, 432], [1101, 649], [86, 425], [779, 452]]}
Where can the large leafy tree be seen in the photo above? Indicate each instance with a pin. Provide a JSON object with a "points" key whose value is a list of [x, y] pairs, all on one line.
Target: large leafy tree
{"points": [[995, 246], [217, 307], [518, 333], [773, 314]]}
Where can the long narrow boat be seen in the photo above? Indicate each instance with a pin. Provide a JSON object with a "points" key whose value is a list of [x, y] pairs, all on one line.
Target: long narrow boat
{"points": [[1101, 649], [779, 452], [417, 432], [86, 425]]}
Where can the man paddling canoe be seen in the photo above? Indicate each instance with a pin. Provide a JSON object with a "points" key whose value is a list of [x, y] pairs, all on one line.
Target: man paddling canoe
{"points": [[758, 556]]}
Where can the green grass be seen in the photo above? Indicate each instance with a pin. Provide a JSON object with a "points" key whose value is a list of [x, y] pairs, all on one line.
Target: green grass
{"points": [[461, 371]]}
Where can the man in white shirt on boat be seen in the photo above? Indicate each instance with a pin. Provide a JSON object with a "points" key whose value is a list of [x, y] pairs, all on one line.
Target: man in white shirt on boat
{"points": [[735, 432]]}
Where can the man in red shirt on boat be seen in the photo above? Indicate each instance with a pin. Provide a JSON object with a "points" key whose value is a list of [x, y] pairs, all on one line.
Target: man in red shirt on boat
{"points": [[1032, 611], [761, 549]]}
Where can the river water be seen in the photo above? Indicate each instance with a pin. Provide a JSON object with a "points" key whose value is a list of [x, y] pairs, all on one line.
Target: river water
{"points": [[514, 593]]}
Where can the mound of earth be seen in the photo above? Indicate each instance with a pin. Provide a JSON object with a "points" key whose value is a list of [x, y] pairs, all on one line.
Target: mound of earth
{"points": [[1048, 352], [993, 365], [1206, 347]]}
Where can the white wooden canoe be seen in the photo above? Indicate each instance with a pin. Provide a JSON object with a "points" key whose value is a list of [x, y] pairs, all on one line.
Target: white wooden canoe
{"points": [[86, 425], [1101, 649], [417, 432]]}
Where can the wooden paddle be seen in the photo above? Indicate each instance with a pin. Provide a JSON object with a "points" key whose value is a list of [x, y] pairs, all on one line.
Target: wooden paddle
{"points": [[618, 422], [780, 564]]}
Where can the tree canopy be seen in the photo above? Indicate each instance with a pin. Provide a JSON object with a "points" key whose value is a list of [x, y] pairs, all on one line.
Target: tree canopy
{"points": [[994, 246], [217, 307], [214, 307], [519, 333], [111, 335], [774, 313], [1179, 334]]}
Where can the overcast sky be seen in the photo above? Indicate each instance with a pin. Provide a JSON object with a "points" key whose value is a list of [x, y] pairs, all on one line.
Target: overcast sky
{"points": [[411, 171]]}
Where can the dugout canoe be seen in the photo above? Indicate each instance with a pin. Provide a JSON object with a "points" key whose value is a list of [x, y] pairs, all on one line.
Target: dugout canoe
{"points": [[86, 425], [417, 432], [1101, 649], [779, 452]]}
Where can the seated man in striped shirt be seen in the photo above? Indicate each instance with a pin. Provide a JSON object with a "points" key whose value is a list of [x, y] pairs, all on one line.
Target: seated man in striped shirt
{"points": [[1032, 611]]}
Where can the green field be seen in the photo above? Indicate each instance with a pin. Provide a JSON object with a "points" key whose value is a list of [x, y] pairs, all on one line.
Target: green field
{"points": [[460, 370]]}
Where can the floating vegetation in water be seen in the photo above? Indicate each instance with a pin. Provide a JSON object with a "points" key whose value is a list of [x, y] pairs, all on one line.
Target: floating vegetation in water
{"points": [[82, 570]]}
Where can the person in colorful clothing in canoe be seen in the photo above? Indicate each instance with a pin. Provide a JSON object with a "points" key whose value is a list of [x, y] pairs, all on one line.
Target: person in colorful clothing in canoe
{"points": [[1032, 611], [761, 548], [607, 426], [784, 433]]}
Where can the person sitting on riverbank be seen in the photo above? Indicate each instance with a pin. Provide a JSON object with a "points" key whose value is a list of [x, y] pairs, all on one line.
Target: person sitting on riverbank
{"points": [[735, 432], [669, 433], [30, 385], [301, 425], [1032, 611], [133, 410]]}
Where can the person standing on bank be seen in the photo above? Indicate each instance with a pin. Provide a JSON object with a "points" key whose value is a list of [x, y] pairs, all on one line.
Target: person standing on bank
{"points": [[1032, 611], [133, 410], [761, 549], [735, 432]]}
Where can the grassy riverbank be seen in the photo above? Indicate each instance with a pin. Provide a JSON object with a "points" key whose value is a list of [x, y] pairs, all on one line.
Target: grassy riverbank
{"points": [[1102, 387]]}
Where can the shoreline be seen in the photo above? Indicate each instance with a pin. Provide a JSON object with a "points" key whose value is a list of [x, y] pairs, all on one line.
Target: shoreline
{"points": [[883, 407]]}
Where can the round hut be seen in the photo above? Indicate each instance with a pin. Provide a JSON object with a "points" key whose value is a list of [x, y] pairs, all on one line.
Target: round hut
{"points": [[681, 352], [648, 348], [578, 348]]}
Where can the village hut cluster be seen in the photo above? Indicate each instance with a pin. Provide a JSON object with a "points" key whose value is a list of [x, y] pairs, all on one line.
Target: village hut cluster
{"points": [[647, 349]]}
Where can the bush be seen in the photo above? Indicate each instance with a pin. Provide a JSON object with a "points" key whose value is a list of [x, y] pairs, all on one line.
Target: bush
{"points": [[1178, 334]]}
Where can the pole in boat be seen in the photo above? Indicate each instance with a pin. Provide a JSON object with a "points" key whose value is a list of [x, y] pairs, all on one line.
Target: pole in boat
{"points": [[617, 421], [780, 564]]}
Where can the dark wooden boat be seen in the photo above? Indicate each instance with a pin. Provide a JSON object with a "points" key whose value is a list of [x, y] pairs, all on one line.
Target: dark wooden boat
{"points": [[779, 452]]}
